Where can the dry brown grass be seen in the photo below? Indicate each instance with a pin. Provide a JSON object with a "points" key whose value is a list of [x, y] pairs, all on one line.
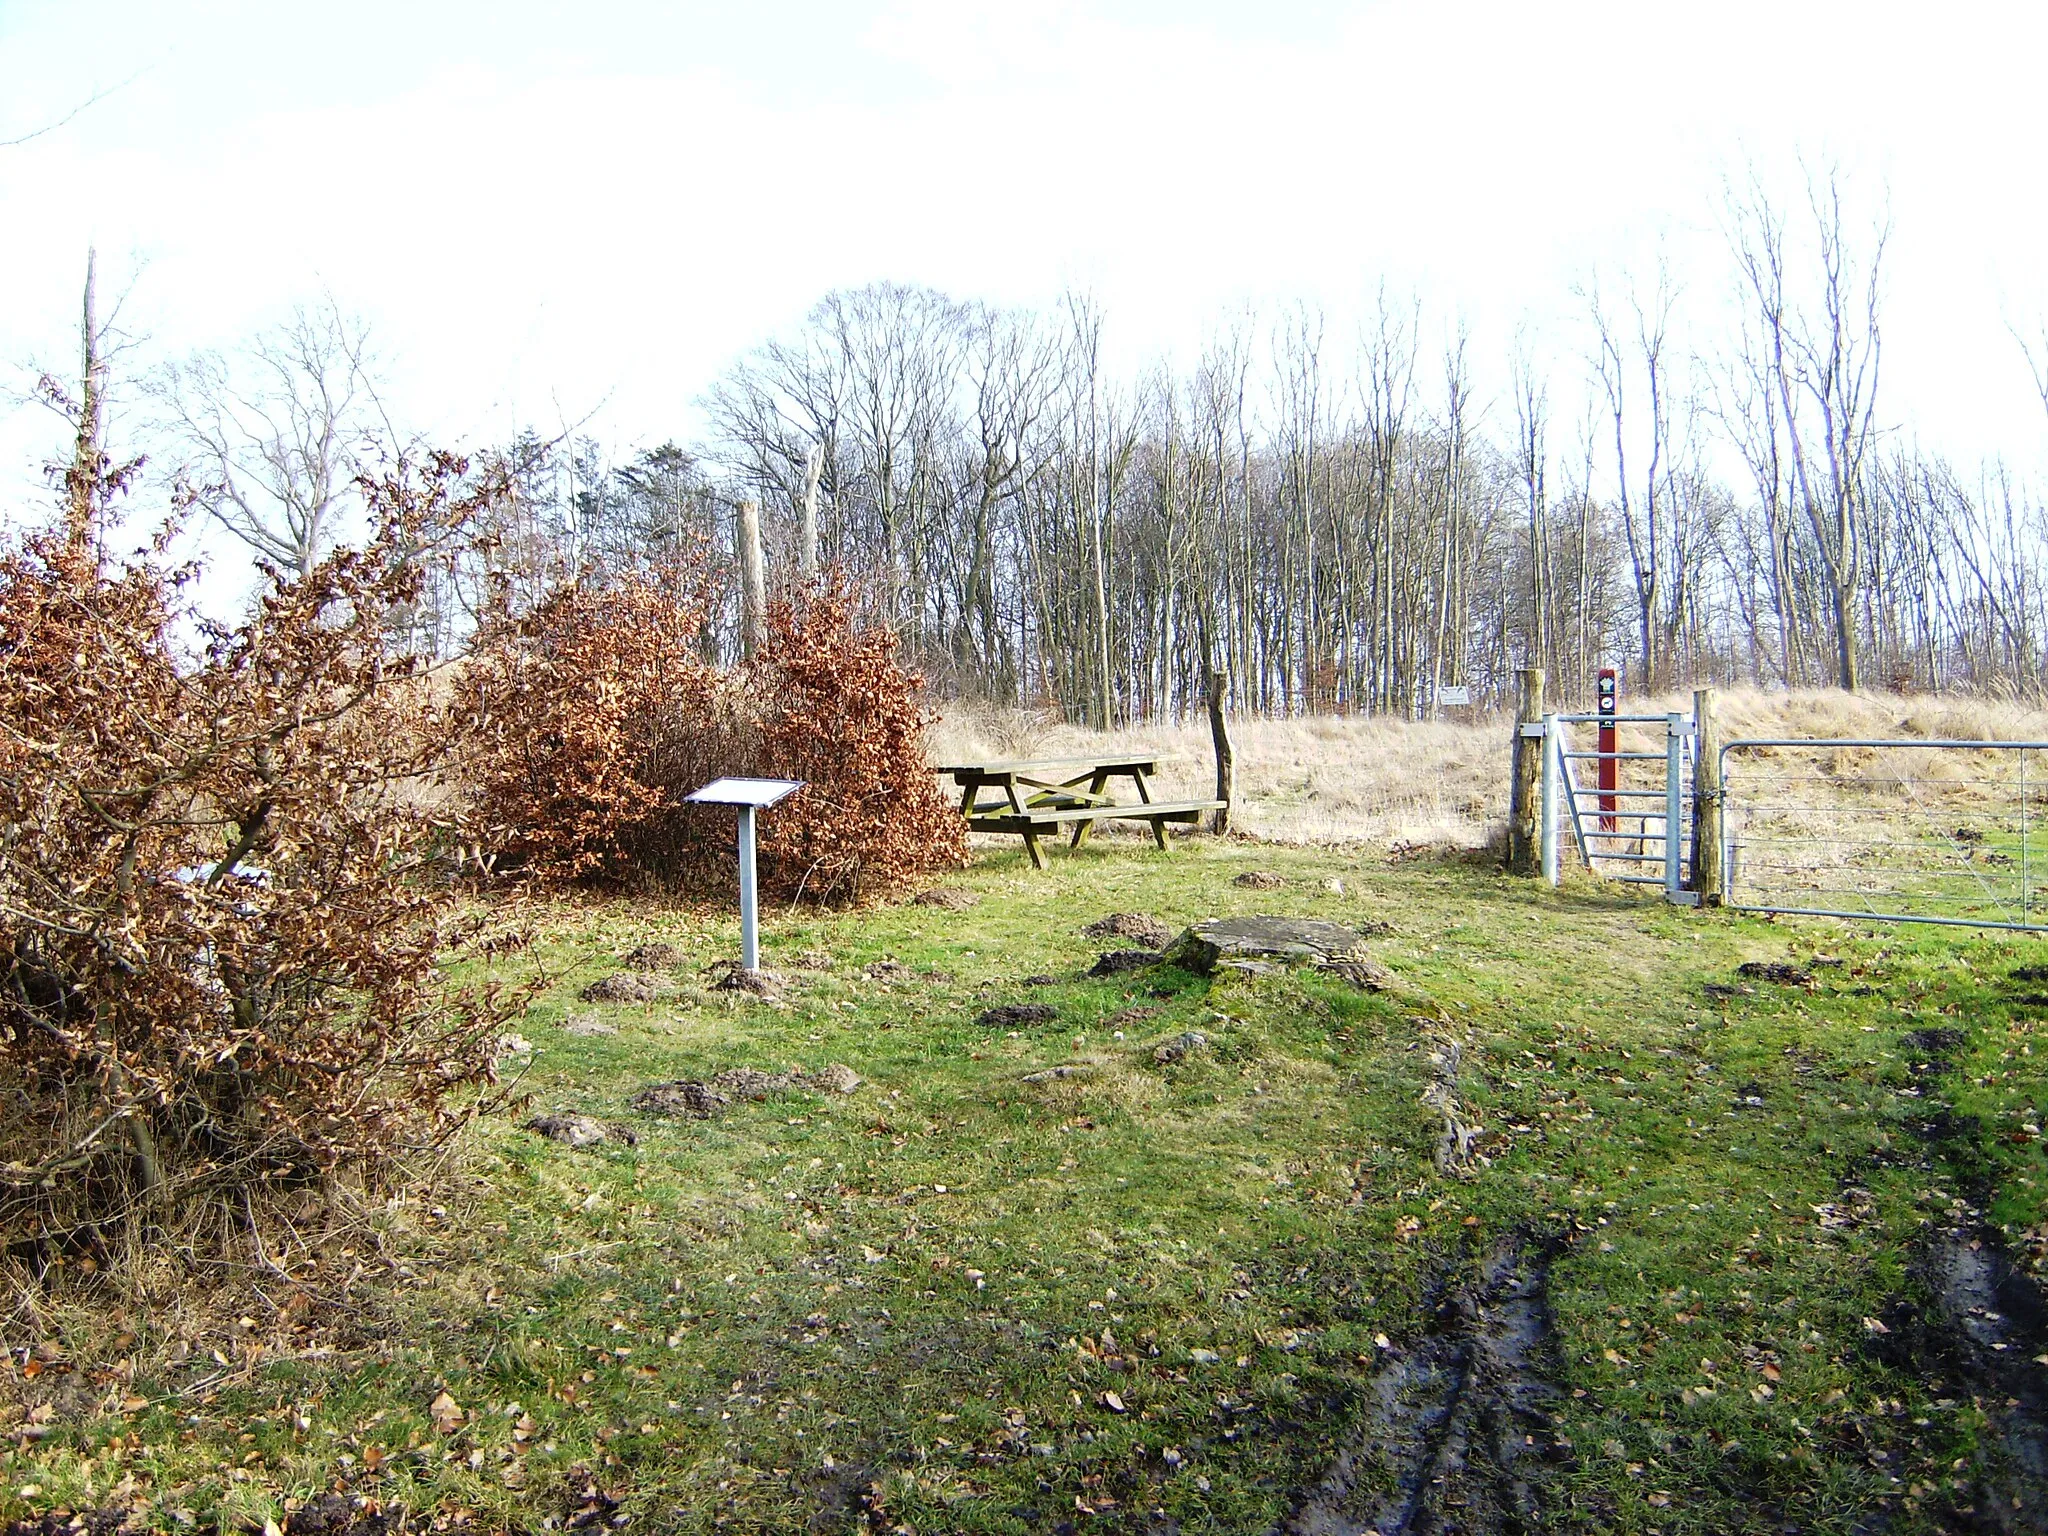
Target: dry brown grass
{"points": [[1358, 779]]}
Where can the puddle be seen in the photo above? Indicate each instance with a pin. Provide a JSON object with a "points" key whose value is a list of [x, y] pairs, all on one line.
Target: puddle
{"points": [[1457, 1430]]}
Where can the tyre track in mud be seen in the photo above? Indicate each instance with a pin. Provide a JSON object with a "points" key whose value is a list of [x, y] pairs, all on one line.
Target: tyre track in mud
{"points": [[1997, 1324], [1457, 1435], [1982, 1332]]}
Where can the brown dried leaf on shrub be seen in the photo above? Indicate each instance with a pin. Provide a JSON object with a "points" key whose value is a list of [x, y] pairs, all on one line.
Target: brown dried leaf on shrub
{"points": [[227, 872], [597, 712]]}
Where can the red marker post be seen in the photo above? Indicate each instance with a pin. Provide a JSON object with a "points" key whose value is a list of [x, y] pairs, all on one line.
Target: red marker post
{"points": [[1609, 780]]}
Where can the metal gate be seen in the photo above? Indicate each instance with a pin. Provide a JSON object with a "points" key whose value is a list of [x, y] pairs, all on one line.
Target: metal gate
{"points": [[1633, 821], [1904, 830]]}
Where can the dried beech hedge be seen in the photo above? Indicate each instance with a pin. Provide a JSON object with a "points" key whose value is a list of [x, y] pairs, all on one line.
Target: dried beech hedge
{"points": [[219, 931], [590, 719]]}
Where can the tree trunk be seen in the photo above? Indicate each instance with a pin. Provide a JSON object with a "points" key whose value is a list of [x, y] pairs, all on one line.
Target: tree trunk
{"points": [[83, 487]]}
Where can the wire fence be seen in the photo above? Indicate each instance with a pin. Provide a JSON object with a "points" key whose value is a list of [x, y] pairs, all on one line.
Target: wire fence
{"points": [[1910, 830]]}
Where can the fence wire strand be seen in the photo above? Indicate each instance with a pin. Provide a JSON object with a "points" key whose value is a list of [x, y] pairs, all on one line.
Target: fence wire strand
{"points": [[1914, 831]]}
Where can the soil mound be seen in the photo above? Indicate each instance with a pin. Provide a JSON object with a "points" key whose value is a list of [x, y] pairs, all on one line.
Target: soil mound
{"points": [[627, 987], [1011, 1015], [1119, 962], [581, 1130], [1138, 926], [688, 1099], [1777, 972]]}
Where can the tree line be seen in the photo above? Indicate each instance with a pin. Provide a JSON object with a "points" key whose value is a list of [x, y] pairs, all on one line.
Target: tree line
{"points": [[1342, 523]]}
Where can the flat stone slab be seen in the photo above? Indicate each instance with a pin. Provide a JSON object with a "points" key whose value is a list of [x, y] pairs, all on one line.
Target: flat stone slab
{"points": [[1258, 941]]}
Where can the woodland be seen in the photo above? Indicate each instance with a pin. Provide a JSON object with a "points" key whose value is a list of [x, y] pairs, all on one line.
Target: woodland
{"points": [[1344, 522]]}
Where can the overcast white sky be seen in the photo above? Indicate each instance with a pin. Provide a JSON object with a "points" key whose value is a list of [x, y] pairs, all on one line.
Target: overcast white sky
{"points": [[544, 207]]}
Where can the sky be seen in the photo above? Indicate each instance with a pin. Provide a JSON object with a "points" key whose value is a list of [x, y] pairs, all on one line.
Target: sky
{"points": [[553, 213]]}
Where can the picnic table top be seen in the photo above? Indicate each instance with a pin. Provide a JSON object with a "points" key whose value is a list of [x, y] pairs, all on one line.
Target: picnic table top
{"points": [[1000, 768]]}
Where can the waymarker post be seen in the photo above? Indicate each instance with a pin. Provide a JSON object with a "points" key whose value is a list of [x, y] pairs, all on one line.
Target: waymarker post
{"points": [[1610, 686]]}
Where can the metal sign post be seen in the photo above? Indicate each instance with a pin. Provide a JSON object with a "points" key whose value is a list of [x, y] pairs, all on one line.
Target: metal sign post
{"points": [[748, 796]]}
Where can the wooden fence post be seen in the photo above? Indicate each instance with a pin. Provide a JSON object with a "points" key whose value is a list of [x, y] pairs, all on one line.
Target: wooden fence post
{"points": [[1226, 757], [753, 579], [807, 517], [1525, 845], [1709, 874]]}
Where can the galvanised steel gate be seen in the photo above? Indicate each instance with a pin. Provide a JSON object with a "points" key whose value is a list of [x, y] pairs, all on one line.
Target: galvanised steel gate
{"points": [[1906, 830], [1627, 809]]}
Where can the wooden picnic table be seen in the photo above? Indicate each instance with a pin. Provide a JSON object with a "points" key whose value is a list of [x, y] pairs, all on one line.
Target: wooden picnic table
{"points": [[1039, 796]]}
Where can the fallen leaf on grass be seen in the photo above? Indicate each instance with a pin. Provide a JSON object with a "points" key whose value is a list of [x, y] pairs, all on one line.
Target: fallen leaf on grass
{"points": [[446, 1413], [1113, 1403]]}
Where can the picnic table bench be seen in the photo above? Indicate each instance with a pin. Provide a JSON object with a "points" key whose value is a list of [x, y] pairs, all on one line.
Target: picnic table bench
{"points": [[1039, 796]]}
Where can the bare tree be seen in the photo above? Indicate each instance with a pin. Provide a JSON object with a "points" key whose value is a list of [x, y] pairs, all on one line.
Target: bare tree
{"points": [[89, 478], [1532, 464], [270, 439], [1659, 515], [1816, 356]]}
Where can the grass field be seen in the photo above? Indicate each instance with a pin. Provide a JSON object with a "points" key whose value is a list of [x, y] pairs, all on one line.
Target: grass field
{"points": [[1707, 1268]]}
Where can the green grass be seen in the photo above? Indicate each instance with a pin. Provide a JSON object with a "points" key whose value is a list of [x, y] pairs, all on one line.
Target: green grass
{"points": [[920, 1294]]}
